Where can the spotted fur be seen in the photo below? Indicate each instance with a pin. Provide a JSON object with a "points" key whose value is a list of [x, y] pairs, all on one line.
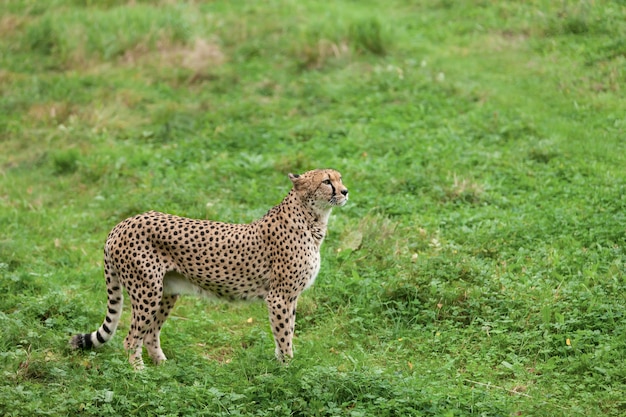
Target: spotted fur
{"points": [[157, 257]]}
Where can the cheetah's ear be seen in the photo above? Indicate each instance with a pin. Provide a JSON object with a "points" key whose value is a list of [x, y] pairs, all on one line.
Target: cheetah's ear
{"points": [[296, 180]]}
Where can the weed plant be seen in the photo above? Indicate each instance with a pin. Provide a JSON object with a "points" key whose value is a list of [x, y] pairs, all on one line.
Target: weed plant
{"points": [[478, 269]]}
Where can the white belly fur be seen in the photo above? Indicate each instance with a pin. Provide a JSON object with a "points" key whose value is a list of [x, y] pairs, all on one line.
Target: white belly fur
{"points": [[316, 269], [175, 283]]}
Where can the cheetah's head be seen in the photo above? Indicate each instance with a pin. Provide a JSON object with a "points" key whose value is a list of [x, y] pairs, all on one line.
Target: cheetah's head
{"points": [[321, 187]]}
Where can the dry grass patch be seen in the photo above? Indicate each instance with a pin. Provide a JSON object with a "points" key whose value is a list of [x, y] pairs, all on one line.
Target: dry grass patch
{"points": [[198, 58], [75, 39], [54, 113], [10, 24], [317, 54], [375, 238], [222, 354], [113, 114], [464, 190], [503, 41]]}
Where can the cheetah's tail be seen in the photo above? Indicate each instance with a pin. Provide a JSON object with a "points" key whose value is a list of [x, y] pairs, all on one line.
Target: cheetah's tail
{"points": [[114, 312]]}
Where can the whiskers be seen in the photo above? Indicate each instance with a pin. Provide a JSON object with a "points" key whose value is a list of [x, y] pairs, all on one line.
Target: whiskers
{"points": [[334, 201]]}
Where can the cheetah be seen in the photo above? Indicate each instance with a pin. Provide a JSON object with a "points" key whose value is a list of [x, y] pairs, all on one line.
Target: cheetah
{"points": [[157, 257]]}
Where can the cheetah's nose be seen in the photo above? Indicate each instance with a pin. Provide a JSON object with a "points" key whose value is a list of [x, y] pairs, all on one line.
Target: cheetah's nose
{"points": [[344, 191]]}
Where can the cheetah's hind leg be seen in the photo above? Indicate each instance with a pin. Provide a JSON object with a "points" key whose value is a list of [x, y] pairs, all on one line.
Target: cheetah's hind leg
{"points": [[145, 302], [152, 339]]}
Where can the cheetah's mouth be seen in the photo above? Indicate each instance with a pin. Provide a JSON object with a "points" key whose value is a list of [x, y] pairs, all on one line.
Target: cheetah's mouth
{"points": [[338, 200]]}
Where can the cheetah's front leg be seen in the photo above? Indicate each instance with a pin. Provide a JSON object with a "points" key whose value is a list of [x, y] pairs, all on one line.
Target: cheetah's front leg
{"points": [[282, 309]]}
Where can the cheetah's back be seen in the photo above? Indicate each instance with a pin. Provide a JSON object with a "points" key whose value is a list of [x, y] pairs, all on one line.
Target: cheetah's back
{"points": [[227, 260]]}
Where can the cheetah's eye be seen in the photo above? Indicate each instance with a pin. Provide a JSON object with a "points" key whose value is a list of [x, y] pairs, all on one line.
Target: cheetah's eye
{"points": [[327, 182]]}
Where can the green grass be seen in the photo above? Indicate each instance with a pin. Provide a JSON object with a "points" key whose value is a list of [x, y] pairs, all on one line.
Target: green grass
{"points": [[478, 269]]}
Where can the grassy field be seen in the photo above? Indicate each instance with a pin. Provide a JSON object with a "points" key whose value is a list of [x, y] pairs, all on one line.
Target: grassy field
{"points": [[478, 269]]}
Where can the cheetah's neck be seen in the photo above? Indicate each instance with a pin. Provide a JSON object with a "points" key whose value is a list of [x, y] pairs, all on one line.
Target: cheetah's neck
{"points": [[316, 217]]}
